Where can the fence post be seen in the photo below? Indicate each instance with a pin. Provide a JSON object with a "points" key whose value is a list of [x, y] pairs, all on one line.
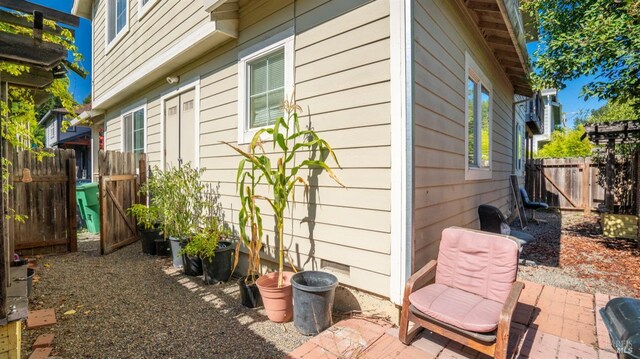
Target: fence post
{"points": [[586, 185], [71, 194]]}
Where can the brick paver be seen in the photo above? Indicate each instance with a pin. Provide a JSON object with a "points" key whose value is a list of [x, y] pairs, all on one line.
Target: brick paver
{"points": [[40, 353], [548, 323], [41, 318], [43, 341]]}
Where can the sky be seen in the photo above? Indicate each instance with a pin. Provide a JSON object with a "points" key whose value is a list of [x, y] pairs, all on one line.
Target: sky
{"points": [[572, 102], [80, 88]]}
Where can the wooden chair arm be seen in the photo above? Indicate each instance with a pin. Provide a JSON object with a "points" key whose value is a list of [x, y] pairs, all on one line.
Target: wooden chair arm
{"points": [[420, 278], [511, 302]]}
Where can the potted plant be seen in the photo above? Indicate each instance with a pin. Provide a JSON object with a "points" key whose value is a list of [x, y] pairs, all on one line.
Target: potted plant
{"points": [[182, 210], [281, 176], [249, 216], [148, 218], [210, 243]]}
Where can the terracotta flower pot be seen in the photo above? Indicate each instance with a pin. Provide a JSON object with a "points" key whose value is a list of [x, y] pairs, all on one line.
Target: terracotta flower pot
{"points": [[277, 301]]}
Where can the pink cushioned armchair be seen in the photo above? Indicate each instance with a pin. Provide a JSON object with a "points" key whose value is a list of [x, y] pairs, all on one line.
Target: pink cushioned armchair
{"points": [[469, 294]]}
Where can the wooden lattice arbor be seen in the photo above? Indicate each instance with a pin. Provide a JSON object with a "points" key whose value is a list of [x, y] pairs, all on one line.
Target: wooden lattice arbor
{"points": [[611, 134]]}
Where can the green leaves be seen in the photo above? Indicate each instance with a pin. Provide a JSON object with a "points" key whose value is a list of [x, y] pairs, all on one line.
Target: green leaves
{"points": [[290, 144], [589, 37]]}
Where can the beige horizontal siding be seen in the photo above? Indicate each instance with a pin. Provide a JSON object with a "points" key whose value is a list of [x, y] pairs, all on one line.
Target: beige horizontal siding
{"points": [[162, 26], [342, 74], [442, 196]]}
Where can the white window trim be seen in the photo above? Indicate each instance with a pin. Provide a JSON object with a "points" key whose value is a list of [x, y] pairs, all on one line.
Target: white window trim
{"points": [[477, 173], [284, 40], [193, 84], [140, 105], [144, 9], [109, 45]]}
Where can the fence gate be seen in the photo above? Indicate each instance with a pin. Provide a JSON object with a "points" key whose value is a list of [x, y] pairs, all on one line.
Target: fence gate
{"points": [[118, 191], [45, 192], [565, 183]]}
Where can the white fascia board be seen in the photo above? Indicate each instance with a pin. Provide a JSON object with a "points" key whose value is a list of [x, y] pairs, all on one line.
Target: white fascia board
{"points": [[401, 147], [192, 46], [85, 115], [82, 8]]}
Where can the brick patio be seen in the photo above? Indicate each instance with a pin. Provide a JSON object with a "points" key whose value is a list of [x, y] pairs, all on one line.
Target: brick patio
{"points": [[548, 323]]}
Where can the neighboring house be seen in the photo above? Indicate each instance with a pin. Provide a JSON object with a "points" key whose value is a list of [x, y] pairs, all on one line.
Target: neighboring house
{"points": [[76, 137], [421, 101], [553, 118]]}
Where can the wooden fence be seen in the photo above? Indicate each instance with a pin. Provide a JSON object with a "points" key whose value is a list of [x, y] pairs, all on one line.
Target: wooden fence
{"points": [[118, 191], [44, 191], [565, 183]]}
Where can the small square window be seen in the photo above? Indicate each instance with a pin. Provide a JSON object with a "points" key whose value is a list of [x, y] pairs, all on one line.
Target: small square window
{"points": [[265, 78], [478, 113]]}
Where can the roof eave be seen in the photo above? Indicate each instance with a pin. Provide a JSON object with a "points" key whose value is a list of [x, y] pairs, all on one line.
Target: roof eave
{"points": [[83, 8]]}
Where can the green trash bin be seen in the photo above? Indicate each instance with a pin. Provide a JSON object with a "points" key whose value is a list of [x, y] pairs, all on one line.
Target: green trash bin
{"points": [[87, 198]]}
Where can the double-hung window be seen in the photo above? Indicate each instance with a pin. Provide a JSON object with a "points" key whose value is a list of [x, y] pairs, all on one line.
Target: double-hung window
{"points": [[133, 131], [478, 122], [117, 20], [265, 78]]}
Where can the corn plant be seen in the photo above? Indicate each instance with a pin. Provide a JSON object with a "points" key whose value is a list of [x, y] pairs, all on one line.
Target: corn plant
{"points": [[282, 175], [249, 216]]}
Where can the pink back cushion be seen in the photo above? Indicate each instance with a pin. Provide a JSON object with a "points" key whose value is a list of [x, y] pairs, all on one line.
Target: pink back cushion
{"points": [[482, 263]]}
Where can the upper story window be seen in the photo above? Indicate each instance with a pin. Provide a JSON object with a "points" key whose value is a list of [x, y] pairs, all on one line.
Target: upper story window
{"points": [[144, 6], [265, 77], [52, 133], [478, 122], [133, 131], [117, 21]]}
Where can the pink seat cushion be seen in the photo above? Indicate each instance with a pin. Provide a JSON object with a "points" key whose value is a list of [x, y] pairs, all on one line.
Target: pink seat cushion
{"points": [[456, 307], [477, 262]]}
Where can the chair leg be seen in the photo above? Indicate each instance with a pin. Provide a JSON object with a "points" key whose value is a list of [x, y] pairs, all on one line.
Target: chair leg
{"points": [[405, 335]]}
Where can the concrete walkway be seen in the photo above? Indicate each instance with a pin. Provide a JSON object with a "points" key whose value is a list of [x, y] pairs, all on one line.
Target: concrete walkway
{"points": [[548, 323]]}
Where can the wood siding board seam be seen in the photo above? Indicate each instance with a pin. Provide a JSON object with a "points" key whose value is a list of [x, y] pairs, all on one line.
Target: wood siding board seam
{"points": [[343, 33], [302, 99], [442, 82], [454, 74], [341, 71], [333, 54], [428, 90]]}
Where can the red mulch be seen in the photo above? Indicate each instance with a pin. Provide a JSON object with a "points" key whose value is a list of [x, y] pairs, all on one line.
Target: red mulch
{"points": [[581, 247]]}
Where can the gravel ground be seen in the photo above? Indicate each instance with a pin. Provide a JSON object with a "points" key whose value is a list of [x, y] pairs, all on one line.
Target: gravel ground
{"points": [[571, 253], [130, 305]]}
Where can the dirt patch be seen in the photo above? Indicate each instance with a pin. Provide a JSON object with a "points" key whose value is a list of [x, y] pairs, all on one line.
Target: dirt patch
{"points": [[572, 253]]}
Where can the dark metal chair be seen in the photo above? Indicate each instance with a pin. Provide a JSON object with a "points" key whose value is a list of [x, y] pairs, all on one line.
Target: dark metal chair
{"points": [[533, 206], [492, 220]]}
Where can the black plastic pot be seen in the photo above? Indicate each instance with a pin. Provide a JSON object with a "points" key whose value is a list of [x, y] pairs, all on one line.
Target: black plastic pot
{"points": [[313, 293], [163, 249], [147, 238], [218, 268], [249, 294], [192, 265]]}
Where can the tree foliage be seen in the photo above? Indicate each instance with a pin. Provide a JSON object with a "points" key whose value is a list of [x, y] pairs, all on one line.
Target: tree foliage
{"points": [[589, 37], [613, 111], [566, 143], [19, 122]]}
